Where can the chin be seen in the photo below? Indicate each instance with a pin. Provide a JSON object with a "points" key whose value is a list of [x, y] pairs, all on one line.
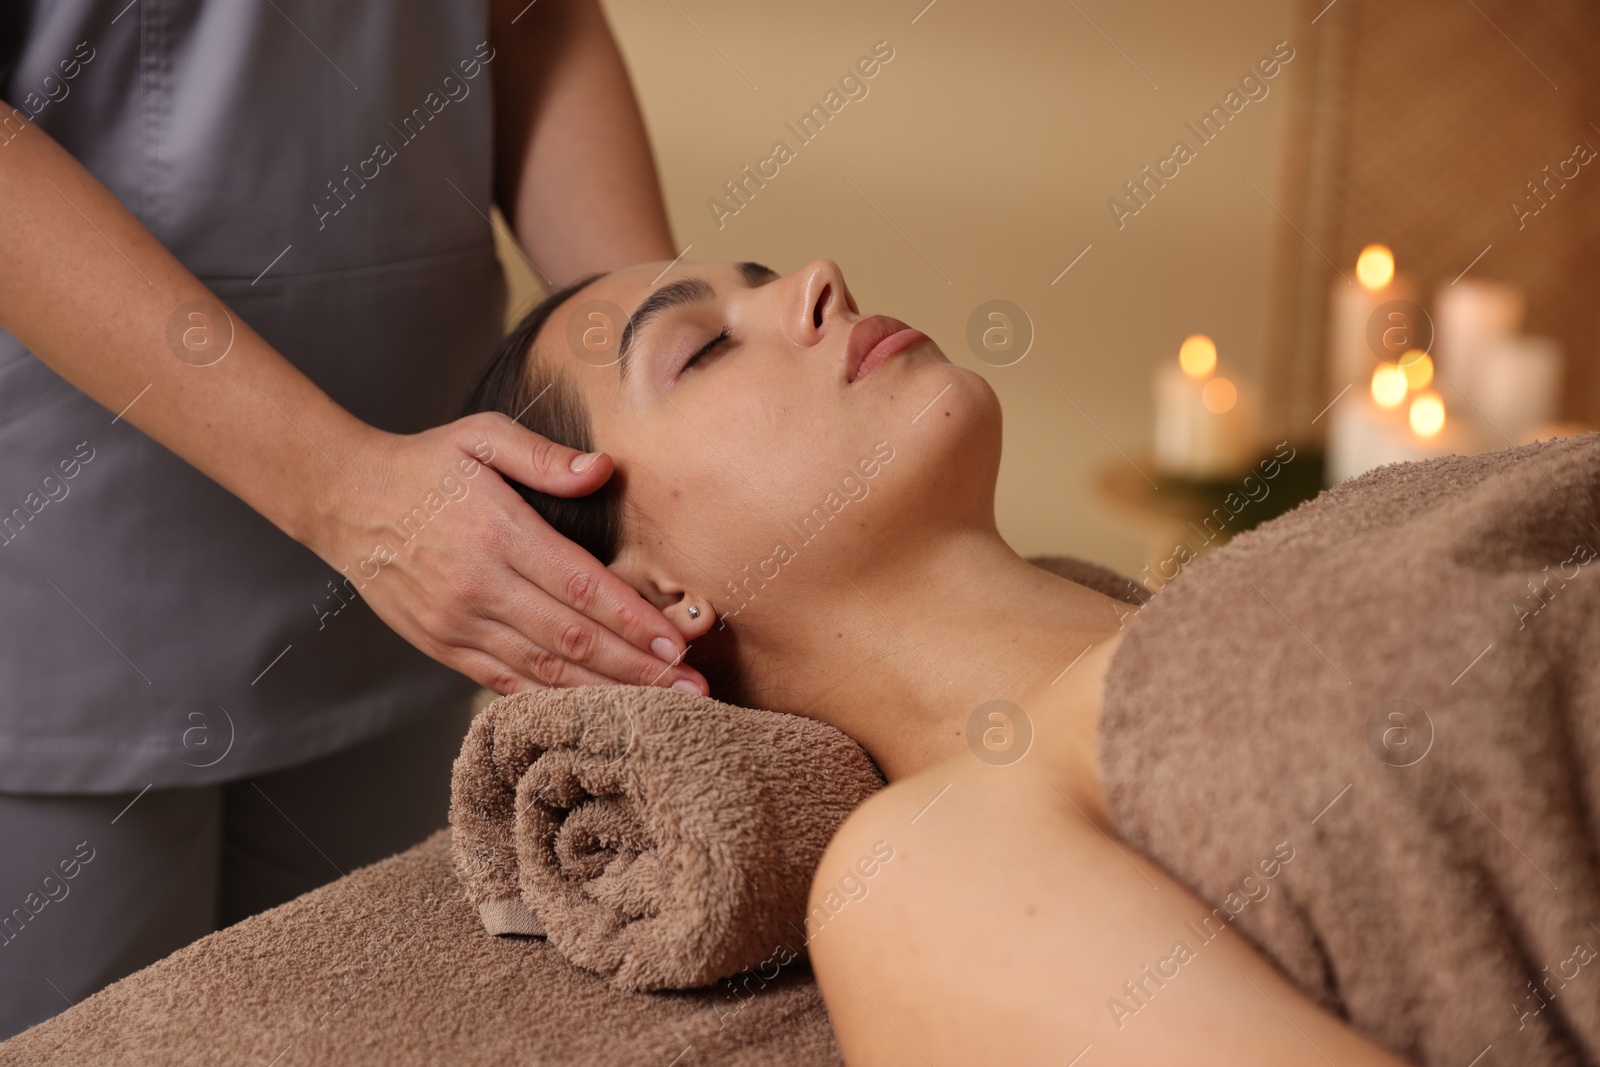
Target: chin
{"points": [[946, 463], [966, 417]]}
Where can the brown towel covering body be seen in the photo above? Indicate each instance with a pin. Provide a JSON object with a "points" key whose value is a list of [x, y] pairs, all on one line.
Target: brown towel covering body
{"points": [[1369, 733]]}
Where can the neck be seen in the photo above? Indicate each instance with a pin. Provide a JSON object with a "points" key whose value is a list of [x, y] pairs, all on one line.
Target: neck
{"points": [[905, 653]]}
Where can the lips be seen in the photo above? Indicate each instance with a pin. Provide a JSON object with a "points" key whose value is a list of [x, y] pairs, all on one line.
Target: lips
{"points": [[872, 341]]}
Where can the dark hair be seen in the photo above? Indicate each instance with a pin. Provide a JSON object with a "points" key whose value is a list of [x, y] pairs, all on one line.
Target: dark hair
{"points": [[543, 399]]}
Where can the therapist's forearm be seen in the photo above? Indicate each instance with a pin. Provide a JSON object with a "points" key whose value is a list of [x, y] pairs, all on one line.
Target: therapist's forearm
{"points": [[93, 294], [574, 170]]}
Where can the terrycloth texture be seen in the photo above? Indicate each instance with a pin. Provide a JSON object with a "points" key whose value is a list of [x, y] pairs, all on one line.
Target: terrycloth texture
{"points": [[391, 966], [661, 839], [1429, 882]]}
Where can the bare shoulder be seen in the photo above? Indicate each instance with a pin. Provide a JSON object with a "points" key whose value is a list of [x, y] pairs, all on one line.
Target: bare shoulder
{"points": [[973, 913], [864, 845], [893, 825]]}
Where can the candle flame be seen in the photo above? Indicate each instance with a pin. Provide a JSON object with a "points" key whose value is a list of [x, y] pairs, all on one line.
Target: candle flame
{"points": [[1219, 395], [1375, 266], [1418, 368], [1197, 356], [1388, 385], [1427, 414]]}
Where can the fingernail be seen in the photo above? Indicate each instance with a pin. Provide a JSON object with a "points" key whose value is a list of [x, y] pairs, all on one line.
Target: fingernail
{"points": [[684, 685], [583, 461], [664, 649]]}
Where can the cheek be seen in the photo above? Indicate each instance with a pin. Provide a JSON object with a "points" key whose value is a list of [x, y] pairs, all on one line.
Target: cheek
{"points": [[691, 507], [752, 439]]}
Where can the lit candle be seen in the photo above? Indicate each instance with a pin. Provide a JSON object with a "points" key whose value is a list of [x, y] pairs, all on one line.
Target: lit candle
{"points": [[1417, 367], [1375, 266], [1362, 424], [1426, 417], [1389, 386], [1351, 307], [1469, 316], [1519, 382], [1205, 425], [1398, 419]]}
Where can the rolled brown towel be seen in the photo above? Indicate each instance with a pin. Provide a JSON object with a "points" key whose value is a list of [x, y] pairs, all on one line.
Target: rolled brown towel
{"points": [[661, 839]]}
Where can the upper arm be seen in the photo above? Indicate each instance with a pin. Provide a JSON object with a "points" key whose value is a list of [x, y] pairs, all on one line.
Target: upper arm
{"points": [[1006, 928], [574, 172], [530, 42]]}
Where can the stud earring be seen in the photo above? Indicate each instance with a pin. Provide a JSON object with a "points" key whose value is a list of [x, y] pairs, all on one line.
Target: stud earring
{"points": [[694, 611]]}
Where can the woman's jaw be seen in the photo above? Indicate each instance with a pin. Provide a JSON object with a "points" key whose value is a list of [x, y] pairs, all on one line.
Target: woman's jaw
{"points": [[764, 480]]}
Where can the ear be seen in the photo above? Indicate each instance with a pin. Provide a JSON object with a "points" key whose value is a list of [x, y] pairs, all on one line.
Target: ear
{"points": [[697, 626], [668, 595]]}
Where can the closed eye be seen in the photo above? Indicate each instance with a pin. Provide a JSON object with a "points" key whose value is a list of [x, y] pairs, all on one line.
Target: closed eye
{"points": [[706, 349]]}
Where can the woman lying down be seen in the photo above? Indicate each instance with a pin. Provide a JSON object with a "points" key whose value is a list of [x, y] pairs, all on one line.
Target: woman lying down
{"points": [[1280, 813]]}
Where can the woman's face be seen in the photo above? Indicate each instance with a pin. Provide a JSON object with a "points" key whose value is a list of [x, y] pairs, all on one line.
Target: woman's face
{"points": [[758, 475]]}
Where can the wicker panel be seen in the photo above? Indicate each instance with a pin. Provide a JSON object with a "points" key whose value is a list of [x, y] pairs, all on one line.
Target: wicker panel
{"points": [[1418, 124]]}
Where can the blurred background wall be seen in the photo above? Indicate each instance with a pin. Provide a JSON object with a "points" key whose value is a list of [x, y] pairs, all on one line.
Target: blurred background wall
{"points": [[978, 167], [981, 163]]}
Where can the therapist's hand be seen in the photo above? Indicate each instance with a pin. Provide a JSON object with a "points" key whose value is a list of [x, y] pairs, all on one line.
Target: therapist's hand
{"points": [[483, 585], [478, 580]]}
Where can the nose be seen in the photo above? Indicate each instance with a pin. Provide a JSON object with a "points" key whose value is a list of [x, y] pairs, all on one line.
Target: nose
{"points": [[819, 300]]}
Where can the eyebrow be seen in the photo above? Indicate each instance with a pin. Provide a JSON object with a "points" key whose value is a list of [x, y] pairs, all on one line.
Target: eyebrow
{"points": [[682, 293]]}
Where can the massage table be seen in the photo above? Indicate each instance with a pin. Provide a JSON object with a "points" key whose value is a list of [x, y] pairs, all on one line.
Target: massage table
{"points": [[391, 965]]}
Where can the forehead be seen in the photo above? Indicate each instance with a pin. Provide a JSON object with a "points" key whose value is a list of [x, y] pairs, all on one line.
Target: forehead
{"points": [[628, 286], [582, 337]]}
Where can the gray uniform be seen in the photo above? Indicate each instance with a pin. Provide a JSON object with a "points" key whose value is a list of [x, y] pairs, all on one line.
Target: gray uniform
{"points": [[324, 167]]}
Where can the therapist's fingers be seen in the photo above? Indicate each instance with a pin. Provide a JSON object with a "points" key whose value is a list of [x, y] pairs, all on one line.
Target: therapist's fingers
{"points": [[537, 462], [575, 654], [525, 665], [539, 604], [472, 635], [561, 568], [569, 595], [505, 666], [488, 671]]}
